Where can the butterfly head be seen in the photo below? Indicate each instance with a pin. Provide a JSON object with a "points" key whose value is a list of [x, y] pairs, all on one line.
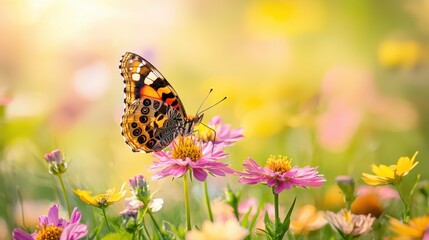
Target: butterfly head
{"points": [[191, 122], [195, 119]]}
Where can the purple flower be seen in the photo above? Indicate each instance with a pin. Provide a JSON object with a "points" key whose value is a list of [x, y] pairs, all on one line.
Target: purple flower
{"points": [[279, 174], [54, 157], [54, 227], [186, 154]]}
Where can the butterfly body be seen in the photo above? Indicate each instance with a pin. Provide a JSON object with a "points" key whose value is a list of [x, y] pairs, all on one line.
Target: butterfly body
{"points": [[154, 114]]}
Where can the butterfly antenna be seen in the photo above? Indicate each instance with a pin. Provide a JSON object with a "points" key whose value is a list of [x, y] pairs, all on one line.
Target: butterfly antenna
{"points": [[198, 111], [213, 105]]}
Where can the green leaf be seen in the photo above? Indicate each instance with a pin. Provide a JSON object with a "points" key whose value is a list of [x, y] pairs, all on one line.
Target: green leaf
{"points": [[286, 220], [173, 232], [245, 219]]}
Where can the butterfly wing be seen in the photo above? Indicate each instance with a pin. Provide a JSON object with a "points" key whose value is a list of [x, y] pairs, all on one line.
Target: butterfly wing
{"points": [[150, 125], [142, 80], [153, 111]]}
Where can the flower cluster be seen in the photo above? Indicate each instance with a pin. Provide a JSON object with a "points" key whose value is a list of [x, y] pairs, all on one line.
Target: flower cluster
{"points": [[202, 154]]}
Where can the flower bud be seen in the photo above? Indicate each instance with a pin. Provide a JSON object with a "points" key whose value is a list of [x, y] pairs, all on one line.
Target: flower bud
{"points": [[56, 163], [140, 188], [129, 220], [347, 186]]}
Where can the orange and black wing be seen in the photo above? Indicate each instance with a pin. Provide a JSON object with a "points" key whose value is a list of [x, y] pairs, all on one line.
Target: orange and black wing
{"points": [[142, 80], [153, 112]]}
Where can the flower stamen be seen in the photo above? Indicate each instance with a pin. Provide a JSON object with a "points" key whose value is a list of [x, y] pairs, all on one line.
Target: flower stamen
{"points": [[279, 164], [186, 148], [49, 232]]}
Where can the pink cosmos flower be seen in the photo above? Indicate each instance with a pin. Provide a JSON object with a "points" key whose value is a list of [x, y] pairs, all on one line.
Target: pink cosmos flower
{"points": [[279, 174], [224, 133], [186, 154], [54, 227]]}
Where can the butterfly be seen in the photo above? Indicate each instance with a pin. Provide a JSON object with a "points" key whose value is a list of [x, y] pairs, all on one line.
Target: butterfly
{"points": [[153, 115]]}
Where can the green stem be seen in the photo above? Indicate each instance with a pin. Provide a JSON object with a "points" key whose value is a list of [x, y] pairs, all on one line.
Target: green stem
{"points": [[105, 218], [156, 224], [406, 214], [146, 231], [187, 209], [276, 207], [65, 194], [207, 198], [22, 206]]}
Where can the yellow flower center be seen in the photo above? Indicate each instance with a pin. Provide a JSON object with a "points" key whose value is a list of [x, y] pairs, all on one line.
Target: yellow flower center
{"points": [[49, 233], [278, 164], [102, 199], [347, 215], [186, 147]]}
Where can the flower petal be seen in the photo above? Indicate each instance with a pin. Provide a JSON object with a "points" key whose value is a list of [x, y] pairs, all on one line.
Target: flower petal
{"points": [[75, 216], [199, 174], [19, 234], [74, 231], [53, 215], [86, 197]]}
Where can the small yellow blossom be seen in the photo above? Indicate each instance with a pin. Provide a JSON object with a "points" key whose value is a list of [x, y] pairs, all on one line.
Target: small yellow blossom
{"points": [[102, 200], [306, 220], [415, 229], [392, 174]]}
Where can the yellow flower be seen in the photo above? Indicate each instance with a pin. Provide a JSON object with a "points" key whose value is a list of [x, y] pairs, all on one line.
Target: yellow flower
{"points": [[415, 229], [400, 54], [306, 220], [102, 200], [392, 174]]}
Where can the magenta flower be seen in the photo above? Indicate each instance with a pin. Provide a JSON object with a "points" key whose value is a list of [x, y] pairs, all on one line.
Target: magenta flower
{"points": [[186, 154], [53, 227], [224, 133], [279, 174]]}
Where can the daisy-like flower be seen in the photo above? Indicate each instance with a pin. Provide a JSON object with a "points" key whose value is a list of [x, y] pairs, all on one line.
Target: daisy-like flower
{"points": [[186, 154], [416, 228], [349, 224], [392, 174], [306, 220], [222, 132], [228, 230], [55, 228], [279, 174], [102, 200]]}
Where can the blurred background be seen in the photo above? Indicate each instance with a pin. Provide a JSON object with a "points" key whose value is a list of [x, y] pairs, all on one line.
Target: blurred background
{"points": [[336, 84]]}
